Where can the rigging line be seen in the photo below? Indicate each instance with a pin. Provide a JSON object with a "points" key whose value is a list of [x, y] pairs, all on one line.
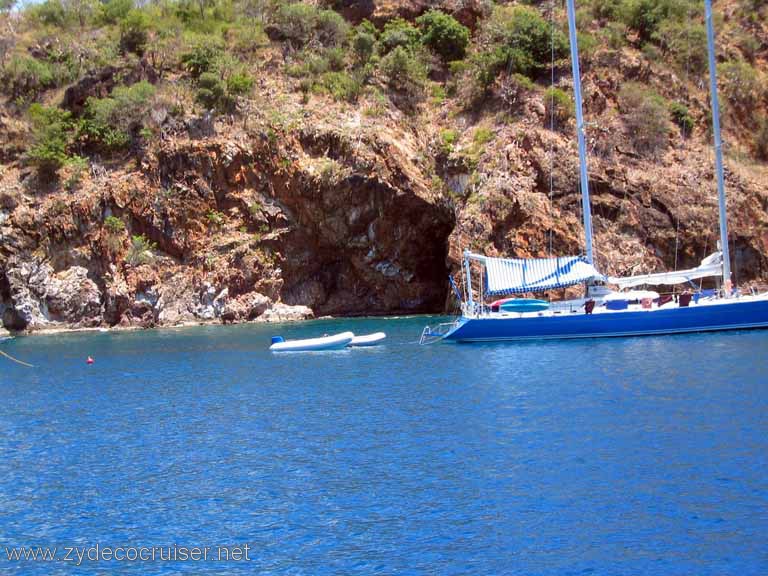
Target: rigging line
{"points": [[16, 360]]}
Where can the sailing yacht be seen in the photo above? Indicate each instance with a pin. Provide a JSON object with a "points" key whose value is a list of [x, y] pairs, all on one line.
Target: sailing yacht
{"points": [[602, 312]]}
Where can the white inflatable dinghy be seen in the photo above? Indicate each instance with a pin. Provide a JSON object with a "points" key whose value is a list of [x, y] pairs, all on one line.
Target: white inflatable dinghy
{"points": [[335, 342], [368, 339]]}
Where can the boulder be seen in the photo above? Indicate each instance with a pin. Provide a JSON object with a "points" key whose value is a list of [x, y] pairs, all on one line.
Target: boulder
{"points": [[74, 298], [38, 297], [211, 303], [245, 307], [26, 294], [117, 298], [284, 313]]}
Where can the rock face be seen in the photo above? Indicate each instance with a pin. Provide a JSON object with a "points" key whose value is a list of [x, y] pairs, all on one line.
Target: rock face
{"points": [[38, 297], [345, 241], [649, 213], [285, 313], [237, 230]]}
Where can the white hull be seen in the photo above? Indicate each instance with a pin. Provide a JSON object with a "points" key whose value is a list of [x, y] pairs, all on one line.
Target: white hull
{"points": [[368, 339], [335, 342]]}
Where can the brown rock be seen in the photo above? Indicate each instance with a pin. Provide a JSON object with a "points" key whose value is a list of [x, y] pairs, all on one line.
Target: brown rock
{"points": [[284, 313]]}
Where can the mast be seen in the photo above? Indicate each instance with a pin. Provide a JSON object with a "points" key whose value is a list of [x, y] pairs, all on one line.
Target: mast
{"points": [[718, 145], [585, 204], [468, 275]]}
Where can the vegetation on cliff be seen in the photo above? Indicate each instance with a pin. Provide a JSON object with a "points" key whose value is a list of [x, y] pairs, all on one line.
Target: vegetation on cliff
{"points": [[109, 105]]}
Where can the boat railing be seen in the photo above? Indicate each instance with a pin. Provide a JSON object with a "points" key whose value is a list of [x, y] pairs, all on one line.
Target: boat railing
{"points": [[435, 333]]}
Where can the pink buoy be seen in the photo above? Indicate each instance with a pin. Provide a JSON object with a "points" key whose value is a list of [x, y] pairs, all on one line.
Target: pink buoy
{"points": [[89, 360]]}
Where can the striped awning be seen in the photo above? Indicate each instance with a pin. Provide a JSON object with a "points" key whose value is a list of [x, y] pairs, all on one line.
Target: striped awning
{"points": [[516, 276]]}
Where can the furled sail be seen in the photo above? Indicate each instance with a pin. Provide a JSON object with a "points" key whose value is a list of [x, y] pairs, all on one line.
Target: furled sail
{"points": [[518, 275], [712, 265]]}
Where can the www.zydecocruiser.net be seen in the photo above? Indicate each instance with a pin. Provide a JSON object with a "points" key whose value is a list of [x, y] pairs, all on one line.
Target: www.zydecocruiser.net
{"points": [[78, 555]]}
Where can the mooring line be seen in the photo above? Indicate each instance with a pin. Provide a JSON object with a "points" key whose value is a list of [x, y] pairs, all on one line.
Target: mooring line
{"points": [[16, 360]]}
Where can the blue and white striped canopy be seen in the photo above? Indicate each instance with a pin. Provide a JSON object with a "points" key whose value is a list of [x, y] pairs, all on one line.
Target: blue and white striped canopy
{"points": [[517, 275]]}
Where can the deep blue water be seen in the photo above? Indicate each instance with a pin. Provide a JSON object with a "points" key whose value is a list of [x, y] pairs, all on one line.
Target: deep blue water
{"points": [[625, 456]]}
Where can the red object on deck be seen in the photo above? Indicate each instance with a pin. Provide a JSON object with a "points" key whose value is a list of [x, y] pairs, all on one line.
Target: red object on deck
{"points": [[89, 360]]}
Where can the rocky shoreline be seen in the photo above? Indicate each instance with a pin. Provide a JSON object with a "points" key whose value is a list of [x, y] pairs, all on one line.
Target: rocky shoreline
{"points": [[47, 304], [296, 314]]}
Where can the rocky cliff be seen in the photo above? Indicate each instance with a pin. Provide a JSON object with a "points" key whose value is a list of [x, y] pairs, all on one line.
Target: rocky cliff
{"points": [[257, 223], [298, 203]]}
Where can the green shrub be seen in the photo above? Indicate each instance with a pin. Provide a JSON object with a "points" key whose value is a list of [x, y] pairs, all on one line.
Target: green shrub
{"points": [[247, 39], [239, 84], [102, 136], [331, 29], [645, 116], [606, 9], [482, 136], [687, 44], [651, 52], [363, 46], [26, 77], [140, 251], [615, 34], [302, 23], [211, 91], [740, 84], [215, 93], [558, 105], [682, 118], [109, 122], [297, 22], [444, 35], [483, 68], [50, 12], [437, 93], [203, 57], [336, 58], [114, 225], [749, 45], [516, 39], [646, 16], [399, 33], [448, 139], [134, 32], [341, 86], [52, 133], [588, 45], [125, 107], [112, 11], [405, 74], [215, 219]]}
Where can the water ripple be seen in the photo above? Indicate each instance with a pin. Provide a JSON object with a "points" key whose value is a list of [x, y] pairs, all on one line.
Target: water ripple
{"points": [[635, 456]]}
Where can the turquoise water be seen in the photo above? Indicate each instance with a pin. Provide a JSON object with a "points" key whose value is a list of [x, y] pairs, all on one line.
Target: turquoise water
{"points": [[626, 456]]}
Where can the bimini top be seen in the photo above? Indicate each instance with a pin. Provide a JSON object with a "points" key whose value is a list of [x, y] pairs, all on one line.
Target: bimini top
{"points": [[712, 265], [519, 275]]}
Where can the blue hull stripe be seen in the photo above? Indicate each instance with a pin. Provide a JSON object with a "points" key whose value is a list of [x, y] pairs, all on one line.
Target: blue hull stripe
{"points": [[705, 318]]}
